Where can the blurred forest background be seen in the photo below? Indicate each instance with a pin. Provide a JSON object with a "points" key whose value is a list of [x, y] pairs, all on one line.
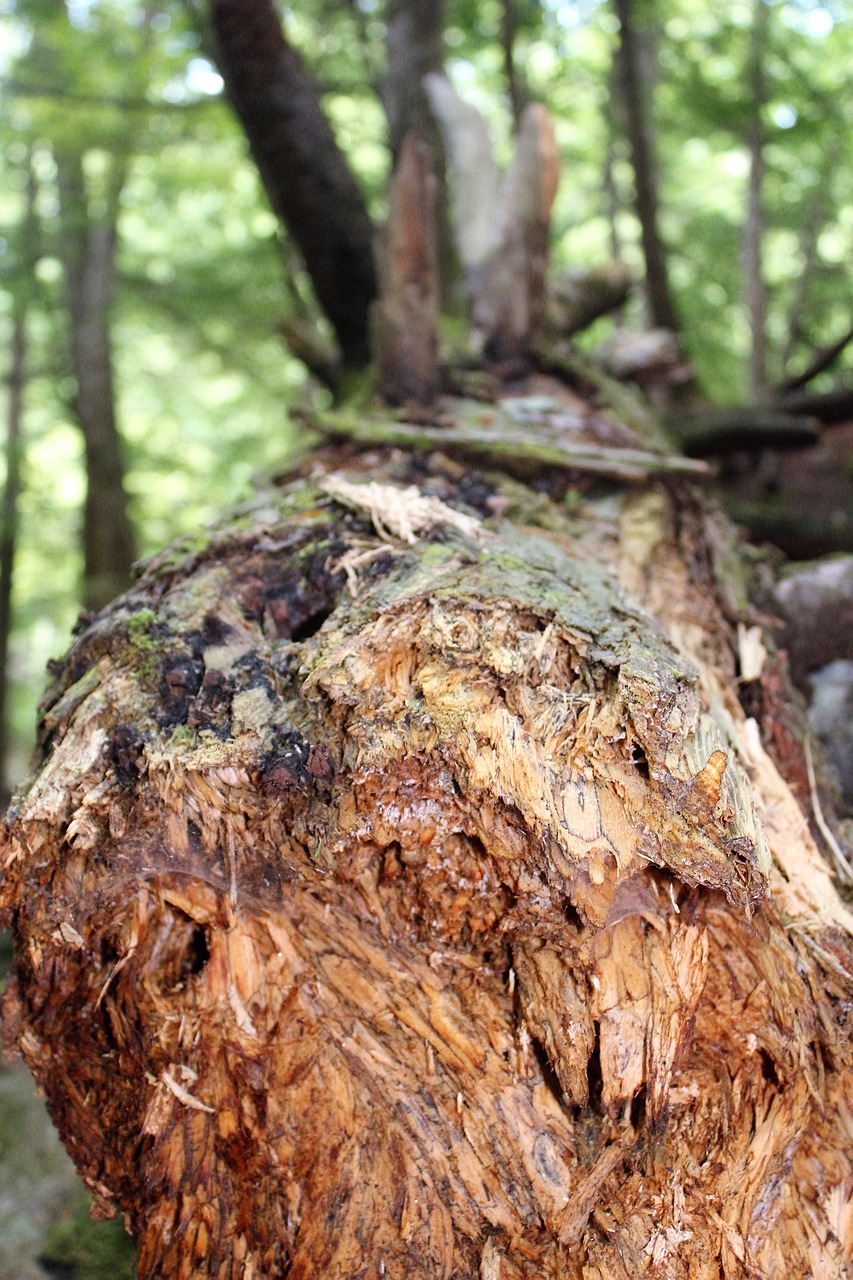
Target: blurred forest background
{"points": [[145, 281]]}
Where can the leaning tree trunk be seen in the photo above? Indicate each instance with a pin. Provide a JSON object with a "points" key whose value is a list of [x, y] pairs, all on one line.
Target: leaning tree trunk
{"points": [[306, 177], [403, 890]]}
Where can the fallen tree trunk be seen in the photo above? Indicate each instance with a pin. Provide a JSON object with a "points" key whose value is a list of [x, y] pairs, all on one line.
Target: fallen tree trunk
{"points": [[752, 428], [830, 406], [402, 890]]}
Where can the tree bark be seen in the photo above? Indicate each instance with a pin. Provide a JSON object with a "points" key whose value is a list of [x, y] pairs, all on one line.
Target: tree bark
{"points": [[422, 902], [661, 305], [753, 231], [406, 316], [756, 296], [415, 43], [611, 195], [88, 246], [305, 175], [9, 526]]}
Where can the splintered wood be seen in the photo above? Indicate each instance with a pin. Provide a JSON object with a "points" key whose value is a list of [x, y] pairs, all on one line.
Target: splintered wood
{"points": [[406, 315], [501, 224], [401, 891]]}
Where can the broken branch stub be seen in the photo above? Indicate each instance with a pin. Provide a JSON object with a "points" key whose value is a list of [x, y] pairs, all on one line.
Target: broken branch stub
{"points": [[509, 301], [405, 319], [475, 177], [402, 890], [501, 225], [576, 298]]}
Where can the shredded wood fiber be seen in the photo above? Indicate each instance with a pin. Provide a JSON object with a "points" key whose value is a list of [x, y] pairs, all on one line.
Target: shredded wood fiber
{"points": [[403, 893]]}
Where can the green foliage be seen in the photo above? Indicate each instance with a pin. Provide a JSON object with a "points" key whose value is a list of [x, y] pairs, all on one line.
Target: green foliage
{"points": [[704, 109]]}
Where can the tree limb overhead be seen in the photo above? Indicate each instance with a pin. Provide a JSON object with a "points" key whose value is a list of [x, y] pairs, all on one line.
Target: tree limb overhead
{"points": [[307, 179]]}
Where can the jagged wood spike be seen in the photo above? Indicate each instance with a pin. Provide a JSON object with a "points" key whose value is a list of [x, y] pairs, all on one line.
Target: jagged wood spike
{"points": [[509, 302], [475, 177], [405, 320], [501, 225]]}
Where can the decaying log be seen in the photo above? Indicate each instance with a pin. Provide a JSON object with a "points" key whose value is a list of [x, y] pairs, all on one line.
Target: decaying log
{"points": [[800, 533], [403, 891], [815, 603]]}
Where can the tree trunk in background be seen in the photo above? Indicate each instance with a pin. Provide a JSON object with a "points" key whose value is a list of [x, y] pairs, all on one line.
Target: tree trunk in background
{"points": [[17, 377], [415, 44], [809, 233], [9, 527], [661, 306], [307, 180], [753, 231], [88, 247], [611, 195]]}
